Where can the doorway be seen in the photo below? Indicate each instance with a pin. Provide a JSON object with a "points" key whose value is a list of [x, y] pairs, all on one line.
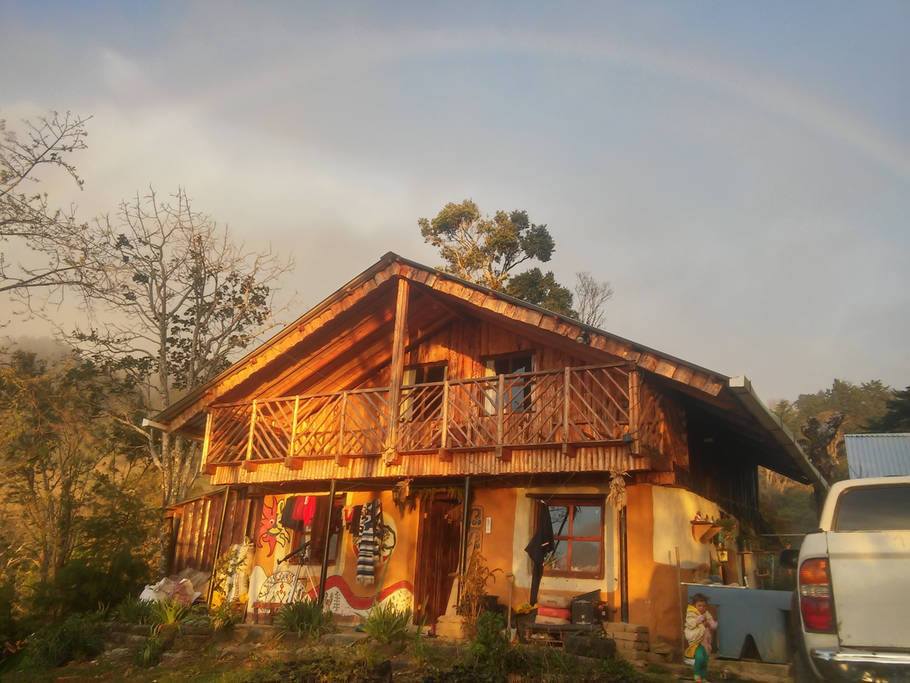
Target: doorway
{"points": [[438, 543]]}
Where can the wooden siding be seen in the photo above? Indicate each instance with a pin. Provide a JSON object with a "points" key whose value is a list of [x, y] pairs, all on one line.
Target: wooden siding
{"points": [[196, 524], [662, 429]]}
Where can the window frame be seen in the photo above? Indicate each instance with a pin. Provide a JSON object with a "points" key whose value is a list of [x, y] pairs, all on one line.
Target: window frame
{"points": [[526, 401], [571, 501]]}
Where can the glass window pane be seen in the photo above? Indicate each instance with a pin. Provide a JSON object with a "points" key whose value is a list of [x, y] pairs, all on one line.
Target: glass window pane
{"points": [[559, 518], [876, 508], [587, 520], [558, 560], [585, 556]]}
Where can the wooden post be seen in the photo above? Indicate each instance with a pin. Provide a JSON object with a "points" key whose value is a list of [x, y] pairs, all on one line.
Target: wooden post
{"points": [[634, 408], [566, 379], [324, 570], [248, 463], [224, 504], [463, 546], [397, 368], [291, 461], [204, 466], [444, 453], [293, 441], [500, 409], [339, 455]]}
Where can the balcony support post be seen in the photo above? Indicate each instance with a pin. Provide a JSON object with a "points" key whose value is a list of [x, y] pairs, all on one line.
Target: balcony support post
{"points": [[444, 453], [500, 415], [634, 411], [397, 369], [290, 461], [248, 463], [339, 454], [206, 445], [567, 449]]}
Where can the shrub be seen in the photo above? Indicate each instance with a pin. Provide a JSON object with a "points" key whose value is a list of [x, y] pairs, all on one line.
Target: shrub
{"points": [[150, 653], [226, 615], [304, 619], [489, 648], [81, 585], [387, 625], [76, 637], [168, 612], [134, 611]]}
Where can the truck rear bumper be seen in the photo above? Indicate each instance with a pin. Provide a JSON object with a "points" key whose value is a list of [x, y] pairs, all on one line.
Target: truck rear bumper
{"points": [[861, 665]]}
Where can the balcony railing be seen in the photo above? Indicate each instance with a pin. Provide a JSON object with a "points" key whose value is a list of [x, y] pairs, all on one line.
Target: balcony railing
{"points": [[569, 407]]}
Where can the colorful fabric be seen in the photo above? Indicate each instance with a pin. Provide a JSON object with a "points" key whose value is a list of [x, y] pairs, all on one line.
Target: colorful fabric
{"points": [[287, 513], [368, 542], [304, 509]]}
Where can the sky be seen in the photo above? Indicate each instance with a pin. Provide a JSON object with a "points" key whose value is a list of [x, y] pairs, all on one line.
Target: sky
{"points": [[739, 172]]}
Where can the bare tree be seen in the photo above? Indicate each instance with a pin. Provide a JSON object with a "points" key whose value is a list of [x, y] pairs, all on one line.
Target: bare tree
{"points": [[591, 297], [173, 298], [47, 241]]}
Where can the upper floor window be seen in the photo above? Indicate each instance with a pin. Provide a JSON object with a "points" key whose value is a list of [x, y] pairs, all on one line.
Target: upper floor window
{"points": [[424, 403], [518, 390]]}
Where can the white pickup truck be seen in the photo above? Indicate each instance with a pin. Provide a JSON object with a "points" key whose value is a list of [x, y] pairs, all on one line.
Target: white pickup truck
{"points": [[853, 583]]}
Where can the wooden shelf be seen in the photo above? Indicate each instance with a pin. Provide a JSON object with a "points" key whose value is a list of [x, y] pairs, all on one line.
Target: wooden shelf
{"points": [[704, 531]]}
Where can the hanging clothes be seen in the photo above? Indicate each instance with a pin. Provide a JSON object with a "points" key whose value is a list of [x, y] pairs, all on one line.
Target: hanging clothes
{"points": [[540, 545], [287, 513], [368, 543], [304, 510]]}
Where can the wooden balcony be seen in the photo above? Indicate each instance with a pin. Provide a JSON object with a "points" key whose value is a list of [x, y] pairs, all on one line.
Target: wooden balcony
{"points": [[572, 407]]}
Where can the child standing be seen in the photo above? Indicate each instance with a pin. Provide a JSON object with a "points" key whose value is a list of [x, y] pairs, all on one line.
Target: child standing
{"points": [[700, 626]]}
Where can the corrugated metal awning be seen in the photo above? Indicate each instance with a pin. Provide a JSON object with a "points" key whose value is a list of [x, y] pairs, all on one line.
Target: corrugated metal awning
{"points": [[878, 455]]}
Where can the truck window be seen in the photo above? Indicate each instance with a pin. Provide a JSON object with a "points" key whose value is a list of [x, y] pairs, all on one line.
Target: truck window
{"points": [[873, 508]]}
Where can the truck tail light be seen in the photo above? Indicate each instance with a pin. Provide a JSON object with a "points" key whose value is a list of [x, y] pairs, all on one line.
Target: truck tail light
{"points": [[815, 601]]}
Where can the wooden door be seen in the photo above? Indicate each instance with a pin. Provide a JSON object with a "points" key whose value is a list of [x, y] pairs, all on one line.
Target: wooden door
{"points": [[438, 542]]}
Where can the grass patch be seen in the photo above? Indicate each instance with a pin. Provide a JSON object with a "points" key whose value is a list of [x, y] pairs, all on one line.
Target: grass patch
{"points": [[304, 619]]}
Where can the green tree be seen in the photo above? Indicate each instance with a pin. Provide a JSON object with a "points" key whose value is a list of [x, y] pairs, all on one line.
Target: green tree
{"points": [[541, 289], [896, 416], [57, 442], [488, 249]]}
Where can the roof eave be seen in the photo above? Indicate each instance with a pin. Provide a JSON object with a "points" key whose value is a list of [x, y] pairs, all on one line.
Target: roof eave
{"points": [[742, 389]]}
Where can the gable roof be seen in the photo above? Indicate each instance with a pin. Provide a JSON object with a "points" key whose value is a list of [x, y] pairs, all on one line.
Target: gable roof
{"points": [[584, 340]]}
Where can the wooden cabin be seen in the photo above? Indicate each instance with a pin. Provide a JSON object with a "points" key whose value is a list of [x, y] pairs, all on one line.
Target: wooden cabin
{"points": [[461, 411]]}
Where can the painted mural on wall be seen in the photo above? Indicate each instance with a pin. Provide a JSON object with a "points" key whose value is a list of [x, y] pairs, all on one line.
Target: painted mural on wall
{"points": [[271, 583], [270, 530]]}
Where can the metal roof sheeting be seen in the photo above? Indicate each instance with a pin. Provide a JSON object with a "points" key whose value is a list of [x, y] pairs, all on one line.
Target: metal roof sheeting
{"points": [[878, 455]]}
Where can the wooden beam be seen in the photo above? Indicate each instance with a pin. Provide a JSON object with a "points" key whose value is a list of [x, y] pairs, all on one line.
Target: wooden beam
{"points": [[397, 368]]}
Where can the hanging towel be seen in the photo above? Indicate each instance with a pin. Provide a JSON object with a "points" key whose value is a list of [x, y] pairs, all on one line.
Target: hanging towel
{"points": [[540, 545], [368, 543], [304, 510]]}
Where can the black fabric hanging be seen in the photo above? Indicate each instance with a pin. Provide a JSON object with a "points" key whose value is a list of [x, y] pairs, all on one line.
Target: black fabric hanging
{"points": [[540, 545]]}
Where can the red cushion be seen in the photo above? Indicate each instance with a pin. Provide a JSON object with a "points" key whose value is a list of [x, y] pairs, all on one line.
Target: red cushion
{"points": [[560, 612]]}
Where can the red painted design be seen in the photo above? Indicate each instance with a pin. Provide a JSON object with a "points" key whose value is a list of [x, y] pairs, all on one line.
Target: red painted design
{"points": [[270, 530], [362, 603]]}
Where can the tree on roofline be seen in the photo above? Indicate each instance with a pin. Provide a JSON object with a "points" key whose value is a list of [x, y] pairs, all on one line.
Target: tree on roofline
{"points": [[488, 250]]}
